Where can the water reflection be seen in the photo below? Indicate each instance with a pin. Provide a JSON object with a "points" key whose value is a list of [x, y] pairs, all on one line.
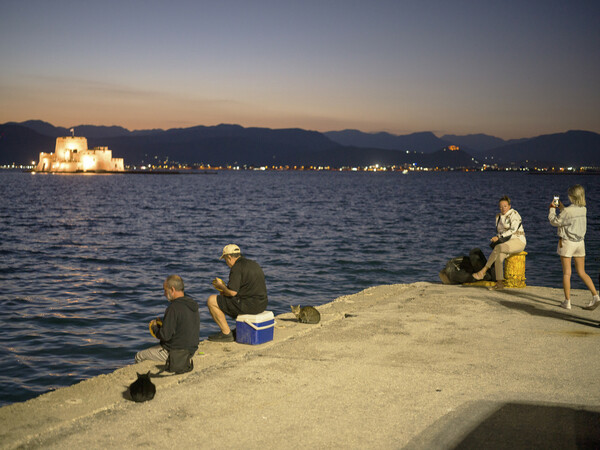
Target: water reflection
{"points": [[84, 257]]}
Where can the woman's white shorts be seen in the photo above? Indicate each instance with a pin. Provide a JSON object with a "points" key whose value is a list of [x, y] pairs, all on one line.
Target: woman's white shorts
{"points": [[571, 249]]}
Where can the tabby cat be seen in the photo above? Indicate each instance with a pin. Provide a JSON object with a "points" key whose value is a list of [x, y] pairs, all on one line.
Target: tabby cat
{"points": [[306, 314]]}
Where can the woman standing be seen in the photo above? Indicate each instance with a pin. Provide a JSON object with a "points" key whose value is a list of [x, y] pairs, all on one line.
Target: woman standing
{"points": [[508, 225], [572, 223]]}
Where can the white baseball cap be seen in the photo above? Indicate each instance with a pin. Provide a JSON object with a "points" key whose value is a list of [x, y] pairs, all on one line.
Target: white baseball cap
{"points": [[229, 249]]}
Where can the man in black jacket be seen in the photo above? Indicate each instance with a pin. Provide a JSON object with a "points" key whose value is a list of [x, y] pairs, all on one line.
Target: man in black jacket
{"points": [[178, 330]]}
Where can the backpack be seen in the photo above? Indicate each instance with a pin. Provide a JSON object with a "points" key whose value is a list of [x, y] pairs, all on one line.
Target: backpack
{"points": [[180, 361]]}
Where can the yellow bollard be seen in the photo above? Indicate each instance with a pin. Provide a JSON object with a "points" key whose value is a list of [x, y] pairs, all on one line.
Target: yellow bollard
{"points": [[514, 270]]}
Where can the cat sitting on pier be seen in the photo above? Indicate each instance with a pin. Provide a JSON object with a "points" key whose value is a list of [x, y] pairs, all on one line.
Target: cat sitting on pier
{"points": [[142, 389], [306, 314]]}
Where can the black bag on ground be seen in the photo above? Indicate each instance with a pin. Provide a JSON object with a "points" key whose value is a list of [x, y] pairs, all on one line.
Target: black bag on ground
{"points": [[457, 271], [477, 259], [460, 270], [179, 361]]}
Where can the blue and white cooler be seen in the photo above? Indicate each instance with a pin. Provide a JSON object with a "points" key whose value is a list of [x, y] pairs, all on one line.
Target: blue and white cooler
{"points": [[254, 329]]}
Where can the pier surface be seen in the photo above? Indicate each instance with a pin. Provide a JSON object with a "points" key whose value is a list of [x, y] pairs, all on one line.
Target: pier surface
{"points": [[416, 366]]}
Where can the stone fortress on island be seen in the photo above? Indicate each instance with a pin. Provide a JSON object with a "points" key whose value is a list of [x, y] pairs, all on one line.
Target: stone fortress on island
{"points": [[72, 155]]}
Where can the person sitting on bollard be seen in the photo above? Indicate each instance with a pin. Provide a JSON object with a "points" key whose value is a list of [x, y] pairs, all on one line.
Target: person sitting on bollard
{"points": [[510, 238]]}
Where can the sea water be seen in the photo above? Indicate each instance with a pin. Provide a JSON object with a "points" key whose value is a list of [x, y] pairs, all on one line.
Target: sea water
{"points": [[83, 257]]}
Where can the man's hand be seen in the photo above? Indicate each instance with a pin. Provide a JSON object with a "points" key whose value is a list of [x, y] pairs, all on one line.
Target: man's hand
{"points": [[154, 326], [218, 284]]}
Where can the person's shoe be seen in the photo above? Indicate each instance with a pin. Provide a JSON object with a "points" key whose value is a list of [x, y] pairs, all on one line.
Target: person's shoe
{"points": [[594, 303], [220, 337], [496, 287], [566, 304]]}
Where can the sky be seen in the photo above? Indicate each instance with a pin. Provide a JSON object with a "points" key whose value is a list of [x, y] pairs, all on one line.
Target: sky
{"points": [[510, 69]]}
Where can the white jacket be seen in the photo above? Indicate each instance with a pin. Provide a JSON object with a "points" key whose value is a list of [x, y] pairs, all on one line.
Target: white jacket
{"points": [[510, 224], [571, 222]]}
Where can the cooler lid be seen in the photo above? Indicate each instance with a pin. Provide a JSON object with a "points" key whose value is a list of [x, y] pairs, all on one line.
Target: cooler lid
{"points": [[256, 318]]}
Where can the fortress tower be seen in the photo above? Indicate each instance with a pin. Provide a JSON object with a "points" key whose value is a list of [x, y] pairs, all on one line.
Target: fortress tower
{"points": [[71, 154]]}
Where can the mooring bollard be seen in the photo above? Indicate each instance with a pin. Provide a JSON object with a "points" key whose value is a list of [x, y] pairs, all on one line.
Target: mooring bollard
{"points": [[514, 270]]}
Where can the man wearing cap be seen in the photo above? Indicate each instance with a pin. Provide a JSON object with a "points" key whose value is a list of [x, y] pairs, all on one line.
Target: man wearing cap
{"points": [[245, 293]]}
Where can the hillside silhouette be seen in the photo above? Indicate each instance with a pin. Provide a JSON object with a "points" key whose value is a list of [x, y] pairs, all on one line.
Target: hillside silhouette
{"points": [[21, 143]]}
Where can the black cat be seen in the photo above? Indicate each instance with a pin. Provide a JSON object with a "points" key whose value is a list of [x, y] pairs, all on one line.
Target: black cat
{"points": [[142, 389]]}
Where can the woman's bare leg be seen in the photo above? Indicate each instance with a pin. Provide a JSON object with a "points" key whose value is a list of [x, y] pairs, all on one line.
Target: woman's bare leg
{"points": [[566, 267], [580, 268]]}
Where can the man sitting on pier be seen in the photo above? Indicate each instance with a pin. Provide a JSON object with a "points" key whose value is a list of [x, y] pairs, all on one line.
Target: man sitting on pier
{"points": [[178, 330], [245, 293]]}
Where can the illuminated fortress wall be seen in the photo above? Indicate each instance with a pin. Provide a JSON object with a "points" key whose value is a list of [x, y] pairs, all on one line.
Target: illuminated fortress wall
{"points": [[71, 154]]}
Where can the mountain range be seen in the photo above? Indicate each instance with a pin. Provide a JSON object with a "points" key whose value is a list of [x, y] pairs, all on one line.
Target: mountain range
{"points": [[21, 143]]}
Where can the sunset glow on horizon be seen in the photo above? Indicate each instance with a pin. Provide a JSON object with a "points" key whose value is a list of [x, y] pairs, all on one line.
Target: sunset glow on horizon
{"points": [[510, 69]]}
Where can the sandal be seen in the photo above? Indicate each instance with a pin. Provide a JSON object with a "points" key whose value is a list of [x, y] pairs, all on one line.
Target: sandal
{"points": [[477, 276], [497, 287]]}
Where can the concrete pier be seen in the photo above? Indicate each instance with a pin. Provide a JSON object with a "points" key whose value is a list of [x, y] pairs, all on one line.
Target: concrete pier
{"points": [[418, 365]]}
